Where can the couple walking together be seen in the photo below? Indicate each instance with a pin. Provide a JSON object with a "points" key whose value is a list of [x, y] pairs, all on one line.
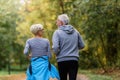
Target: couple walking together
{"points": [[67, 42]]}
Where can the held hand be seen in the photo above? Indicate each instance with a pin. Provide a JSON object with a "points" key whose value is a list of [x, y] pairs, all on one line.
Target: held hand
{"points": [[29, 56], [53, 79]]}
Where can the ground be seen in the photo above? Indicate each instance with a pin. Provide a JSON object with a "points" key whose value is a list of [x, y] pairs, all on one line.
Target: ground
{"points": [[82, 75], [22, 77]]}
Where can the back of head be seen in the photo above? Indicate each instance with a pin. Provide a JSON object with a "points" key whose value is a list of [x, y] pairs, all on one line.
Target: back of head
{"points": [[35, 28], [64, 18]]}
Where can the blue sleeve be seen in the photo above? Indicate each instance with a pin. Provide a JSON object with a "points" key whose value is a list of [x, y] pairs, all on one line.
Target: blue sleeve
{"points": [[55, 41], [49, 51], [80, 42], [27, 48]]}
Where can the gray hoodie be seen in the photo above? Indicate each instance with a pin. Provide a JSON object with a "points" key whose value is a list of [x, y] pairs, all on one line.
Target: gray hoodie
{"points": [[66, 43]]}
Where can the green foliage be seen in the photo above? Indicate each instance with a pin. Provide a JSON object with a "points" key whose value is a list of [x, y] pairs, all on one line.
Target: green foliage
{"points": [[8, 18], [33, 12], [99, 21], [96, 20]]}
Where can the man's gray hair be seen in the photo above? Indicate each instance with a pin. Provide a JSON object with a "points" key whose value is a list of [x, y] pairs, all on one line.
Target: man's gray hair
{"points": [[64, 18]]}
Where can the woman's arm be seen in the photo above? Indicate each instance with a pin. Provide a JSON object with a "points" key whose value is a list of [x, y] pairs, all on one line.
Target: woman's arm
{"points": [[27, 48], [49, 51]]}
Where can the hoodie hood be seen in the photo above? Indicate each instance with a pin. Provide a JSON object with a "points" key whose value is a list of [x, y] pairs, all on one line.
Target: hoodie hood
{"points": [[67, 28]]}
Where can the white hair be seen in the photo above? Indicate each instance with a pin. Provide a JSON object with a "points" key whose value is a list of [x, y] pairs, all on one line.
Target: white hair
{"points": [[35, 28], [64, 18]]}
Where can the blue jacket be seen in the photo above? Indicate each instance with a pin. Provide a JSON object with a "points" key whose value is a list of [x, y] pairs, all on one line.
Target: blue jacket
{"points": [[66, 43]]}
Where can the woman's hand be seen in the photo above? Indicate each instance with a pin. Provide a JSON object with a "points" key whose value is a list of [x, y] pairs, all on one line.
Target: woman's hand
{"points": [[53, 79], [29, 56]]}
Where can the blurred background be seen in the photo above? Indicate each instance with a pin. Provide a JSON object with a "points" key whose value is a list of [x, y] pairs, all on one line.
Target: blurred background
{"points": [[98, 21]]}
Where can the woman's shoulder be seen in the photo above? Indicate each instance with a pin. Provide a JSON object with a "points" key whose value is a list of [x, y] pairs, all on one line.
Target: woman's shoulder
{"points": [[30, 39], [45, 39]]}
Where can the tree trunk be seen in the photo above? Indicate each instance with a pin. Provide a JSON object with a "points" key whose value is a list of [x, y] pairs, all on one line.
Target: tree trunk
{"points": [[61, 3], [112, 45]]}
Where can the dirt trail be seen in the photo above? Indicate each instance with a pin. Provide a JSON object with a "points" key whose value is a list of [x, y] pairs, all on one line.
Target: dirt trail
{"points": [[22, 77], [13, 77], [82, 77]]}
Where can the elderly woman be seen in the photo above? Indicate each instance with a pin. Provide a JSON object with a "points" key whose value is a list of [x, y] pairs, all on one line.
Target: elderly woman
{"points": [[40, 68], [67, 42]]}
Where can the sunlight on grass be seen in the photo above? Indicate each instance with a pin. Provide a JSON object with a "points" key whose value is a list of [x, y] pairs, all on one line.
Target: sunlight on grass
{"points": [[99, 77], [12, 72], [88, 73], [93, 76]]}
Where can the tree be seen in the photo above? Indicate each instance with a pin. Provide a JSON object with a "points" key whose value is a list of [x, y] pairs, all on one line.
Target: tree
{"points": [[100, 22], [8, 18], [96, 20]]}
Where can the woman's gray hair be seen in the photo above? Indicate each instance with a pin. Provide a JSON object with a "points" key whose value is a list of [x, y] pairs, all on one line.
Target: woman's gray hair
{"points": [[64, 18], [35, 28]]}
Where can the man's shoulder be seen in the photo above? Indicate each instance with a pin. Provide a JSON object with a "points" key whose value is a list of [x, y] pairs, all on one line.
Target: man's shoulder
{"points": [[56, 31]]}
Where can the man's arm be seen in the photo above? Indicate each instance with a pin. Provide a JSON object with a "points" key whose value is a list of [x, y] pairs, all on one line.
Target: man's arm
{"points": [[80, 42], [55, 41]]}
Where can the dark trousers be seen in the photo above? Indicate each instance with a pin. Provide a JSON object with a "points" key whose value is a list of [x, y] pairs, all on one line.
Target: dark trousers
{"points": [[68, 67]]}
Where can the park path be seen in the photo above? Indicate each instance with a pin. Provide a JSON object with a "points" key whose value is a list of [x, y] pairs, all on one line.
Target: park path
{"points": [[82, 77], [22, 77]]}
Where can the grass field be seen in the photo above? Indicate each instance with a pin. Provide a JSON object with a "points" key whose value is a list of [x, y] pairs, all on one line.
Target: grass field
{"points": [[88, 75], [93, 76], [5, 73]]}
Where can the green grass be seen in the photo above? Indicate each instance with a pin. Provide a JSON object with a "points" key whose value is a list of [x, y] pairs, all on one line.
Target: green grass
{"points": [[15, 69], [12, 72], [89, 73], [99, 77], [93, 76]]}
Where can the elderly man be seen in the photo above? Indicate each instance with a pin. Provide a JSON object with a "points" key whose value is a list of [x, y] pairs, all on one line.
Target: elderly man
{"points": [[67, 42]]}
